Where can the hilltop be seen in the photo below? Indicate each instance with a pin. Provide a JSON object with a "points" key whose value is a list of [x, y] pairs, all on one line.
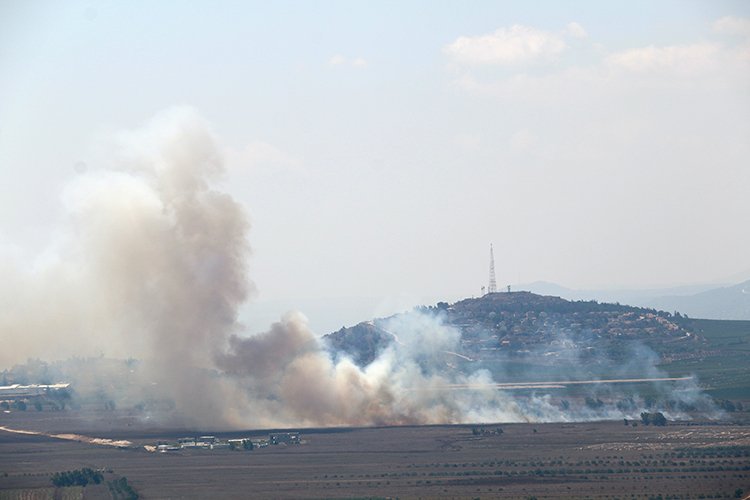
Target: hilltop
{"points": [[525, 336], [514, 324]]}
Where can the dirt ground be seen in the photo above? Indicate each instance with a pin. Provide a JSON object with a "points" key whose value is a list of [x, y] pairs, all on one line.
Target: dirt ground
{"points": [[591, 460]]}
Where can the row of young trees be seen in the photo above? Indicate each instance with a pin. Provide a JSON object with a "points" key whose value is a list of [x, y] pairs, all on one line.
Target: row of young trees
{"points": [[78, 477], [118, 488]]}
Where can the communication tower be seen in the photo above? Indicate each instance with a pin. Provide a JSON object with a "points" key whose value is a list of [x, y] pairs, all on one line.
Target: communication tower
{"points": [[492, 288]]}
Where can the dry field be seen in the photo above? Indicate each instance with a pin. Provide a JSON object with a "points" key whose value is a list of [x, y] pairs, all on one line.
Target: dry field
{"points": [[592, 460]]}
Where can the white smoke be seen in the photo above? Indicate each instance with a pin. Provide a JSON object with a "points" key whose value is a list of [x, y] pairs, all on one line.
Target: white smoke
{"points": [[151, 262], [293, 380]]}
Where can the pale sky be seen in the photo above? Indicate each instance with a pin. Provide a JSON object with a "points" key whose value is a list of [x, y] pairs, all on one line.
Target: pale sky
{"points": [[379, 148]]}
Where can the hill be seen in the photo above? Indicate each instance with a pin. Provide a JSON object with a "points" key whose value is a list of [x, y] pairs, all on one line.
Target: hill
{"points": [[721, 363], [523, 324], [522, 336]]}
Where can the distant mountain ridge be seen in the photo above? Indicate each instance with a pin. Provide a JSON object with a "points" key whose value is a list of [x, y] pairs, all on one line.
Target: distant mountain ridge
{"points": [[698, 301], [731, 302]]}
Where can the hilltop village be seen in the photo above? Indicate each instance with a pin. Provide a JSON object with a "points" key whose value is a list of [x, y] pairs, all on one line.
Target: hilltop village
{"points": [[517, 324]]}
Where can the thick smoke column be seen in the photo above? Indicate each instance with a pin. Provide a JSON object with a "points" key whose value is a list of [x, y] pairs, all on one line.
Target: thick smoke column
{"points": [[151, 262]]}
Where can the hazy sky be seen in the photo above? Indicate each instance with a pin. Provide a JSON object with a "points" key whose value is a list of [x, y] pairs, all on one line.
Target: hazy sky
{"points": [[380, 147]]}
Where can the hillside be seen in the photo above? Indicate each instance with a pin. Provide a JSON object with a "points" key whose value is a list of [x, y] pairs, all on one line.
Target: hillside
{"points": [[721, 363], [523, 324]]}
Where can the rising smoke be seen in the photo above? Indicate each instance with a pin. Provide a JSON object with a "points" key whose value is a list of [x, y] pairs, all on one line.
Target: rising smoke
{"points": [[151, 262]]}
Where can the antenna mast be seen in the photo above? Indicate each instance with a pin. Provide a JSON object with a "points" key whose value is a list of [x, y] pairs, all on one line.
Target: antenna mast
{"points": [[492, 288]]}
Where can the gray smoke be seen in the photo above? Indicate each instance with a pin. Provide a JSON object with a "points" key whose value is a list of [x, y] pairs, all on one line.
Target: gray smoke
{"points": [[151, 262], [293, 380]]}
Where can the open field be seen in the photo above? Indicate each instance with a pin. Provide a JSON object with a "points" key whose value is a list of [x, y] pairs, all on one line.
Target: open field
{"points": [[594, 460], [723, 370]]}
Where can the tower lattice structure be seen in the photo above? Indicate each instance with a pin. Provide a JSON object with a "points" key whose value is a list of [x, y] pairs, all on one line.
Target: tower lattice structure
{"points": [[492, 288]]}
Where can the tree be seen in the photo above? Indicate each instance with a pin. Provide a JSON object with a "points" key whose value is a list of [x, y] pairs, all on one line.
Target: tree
{"points": [[594, 404], [119, 488], [727, 405], [656, 418]]}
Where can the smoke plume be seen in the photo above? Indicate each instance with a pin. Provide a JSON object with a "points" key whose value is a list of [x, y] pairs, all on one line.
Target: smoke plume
{"points": [[151, 263]]}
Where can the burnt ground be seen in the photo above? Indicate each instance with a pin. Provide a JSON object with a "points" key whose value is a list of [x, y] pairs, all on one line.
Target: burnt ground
{"points": [[593, 460]]}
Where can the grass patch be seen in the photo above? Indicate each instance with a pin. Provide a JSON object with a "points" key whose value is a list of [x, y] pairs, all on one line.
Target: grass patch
{"points": [[724, 371]]}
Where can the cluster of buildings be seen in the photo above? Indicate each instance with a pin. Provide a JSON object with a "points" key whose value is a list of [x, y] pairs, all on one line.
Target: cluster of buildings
{"points": [[213, 443], [18, 391]]}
